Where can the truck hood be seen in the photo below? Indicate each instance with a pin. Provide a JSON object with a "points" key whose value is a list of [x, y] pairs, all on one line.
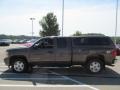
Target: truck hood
{"points": [[19, 49]]}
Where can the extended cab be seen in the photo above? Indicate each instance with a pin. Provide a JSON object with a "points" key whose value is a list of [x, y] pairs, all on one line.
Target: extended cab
{"points": [[92, 52]]}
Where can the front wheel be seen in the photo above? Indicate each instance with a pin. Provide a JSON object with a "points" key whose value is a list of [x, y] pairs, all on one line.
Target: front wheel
{"points": [[95, 66], [19, 66]]}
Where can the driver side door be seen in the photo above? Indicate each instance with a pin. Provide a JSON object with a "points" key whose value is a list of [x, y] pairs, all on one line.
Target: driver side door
{"points": [[44, 52]]}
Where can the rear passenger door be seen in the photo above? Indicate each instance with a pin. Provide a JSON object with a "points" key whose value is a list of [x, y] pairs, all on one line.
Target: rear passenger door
{"points": [[80, 50], [63, 51]]}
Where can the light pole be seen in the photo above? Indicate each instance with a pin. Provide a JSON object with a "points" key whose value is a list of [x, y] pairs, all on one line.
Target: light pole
{"points": [[62, 16], [116, 20], [32, 25]]}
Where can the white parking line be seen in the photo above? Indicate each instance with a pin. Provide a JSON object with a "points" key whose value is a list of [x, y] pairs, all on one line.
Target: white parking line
{"points": [[67, 77], [78, 82], [3, 66], [59, 86], [3, 69], [6, 73], [63, 78], [2, 63]]}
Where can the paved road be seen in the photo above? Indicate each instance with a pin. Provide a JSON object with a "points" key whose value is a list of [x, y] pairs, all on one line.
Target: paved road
{"points": [[74, 78]]}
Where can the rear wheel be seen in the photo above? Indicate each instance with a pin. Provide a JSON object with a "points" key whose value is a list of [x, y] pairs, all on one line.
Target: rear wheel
{"points": [[95, 65], [19, 65]]}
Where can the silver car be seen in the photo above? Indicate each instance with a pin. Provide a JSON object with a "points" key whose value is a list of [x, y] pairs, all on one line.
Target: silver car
{"points": [[5, 42]]}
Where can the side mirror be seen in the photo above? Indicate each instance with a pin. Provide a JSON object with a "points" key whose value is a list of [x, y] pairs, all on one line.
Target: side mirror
{"points": [[35, 46], [42, 45]]}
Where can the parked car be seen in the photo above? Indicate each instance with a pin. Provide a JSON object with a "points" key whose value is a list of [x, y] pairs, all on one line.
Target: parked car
{"points": [[118, 49], [15, 41], [5, 42], [19, 41], [30, 42], [92, 52], [23, 41]]}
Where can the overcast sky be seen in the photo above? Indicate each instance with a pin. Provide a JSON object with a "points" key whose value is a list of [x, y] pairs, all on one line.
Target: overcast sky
{"points": [[86, 16]]}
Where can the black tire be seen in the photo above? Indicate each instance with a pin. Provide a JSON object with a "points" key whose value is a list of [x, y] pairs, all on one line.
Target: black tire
{"points": [[94, 66], [23, 63]]}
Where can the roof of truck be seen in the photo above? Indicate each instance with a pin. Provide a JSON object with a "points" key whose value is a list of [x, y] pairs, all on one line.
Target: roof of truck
{"points": [[76, 36]]}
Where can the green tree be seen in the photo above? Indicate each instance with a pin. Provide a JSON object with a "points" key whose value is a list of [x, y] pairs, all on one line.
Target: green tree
{"points": [[77, 33], [49, 25]]}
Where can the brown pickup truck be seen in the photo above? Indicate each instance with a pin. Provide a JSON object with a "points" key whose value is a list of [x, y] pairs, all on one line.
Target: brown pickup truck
{"points": [[92, 52]]}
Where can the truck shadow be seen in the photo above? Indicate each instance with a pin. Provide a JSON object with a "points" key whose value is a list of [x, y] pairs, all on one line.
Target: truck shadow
{"points": [[64, 76]]}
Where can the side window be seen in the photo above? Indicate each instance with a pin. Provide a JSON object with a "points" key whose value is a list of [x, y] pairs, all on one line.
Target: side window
{"points": [[48, 43], [97, 41], [78, 41], [61, 43], [91, 41], [45, 43]]}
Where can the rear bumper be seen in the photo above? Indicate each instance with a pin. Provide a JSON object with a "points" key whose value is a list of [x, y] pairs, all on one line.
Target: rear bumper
{"points": [[114, 61]]}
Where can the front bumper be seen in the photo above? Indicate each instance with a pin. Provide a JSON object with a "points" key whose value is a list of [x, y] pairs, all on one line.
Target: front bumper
{"points": [[6, 61]]}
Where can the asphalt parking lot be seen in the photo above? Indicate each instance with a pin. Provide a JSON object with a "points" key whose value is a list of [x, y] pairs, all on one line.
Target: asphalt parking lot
{"points": [[73, 78]]}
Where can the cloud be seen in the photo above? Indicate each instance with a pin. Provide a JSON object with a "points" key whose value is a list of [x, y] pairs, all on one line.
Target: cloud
{"points": [[91, 20], [87, 19]]}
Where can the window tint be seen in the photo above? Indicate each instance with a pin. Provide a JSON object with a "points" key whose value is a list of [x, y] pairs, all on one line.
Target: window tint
{"points": [[92, 41], [78, 41], [61, 43], [97, 41], [49, 41], [46, 43]]}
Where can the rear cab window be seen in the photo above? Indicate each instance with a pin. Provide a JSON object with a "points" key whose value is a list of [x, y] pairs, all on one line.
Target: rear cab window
{"points": [[97, 41], [61, 42], [92, 41]]}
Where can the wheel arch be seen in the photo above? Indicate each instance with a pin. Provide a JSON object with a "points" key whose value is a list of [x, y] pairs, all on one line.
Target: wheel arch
{"points": [[13, 58], [99, 56]]}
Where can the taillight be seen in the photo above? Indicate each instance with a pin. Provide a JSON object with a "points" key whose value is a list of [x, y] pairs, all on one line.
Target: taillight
{"points": [[114, 53], [118, 51]]}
